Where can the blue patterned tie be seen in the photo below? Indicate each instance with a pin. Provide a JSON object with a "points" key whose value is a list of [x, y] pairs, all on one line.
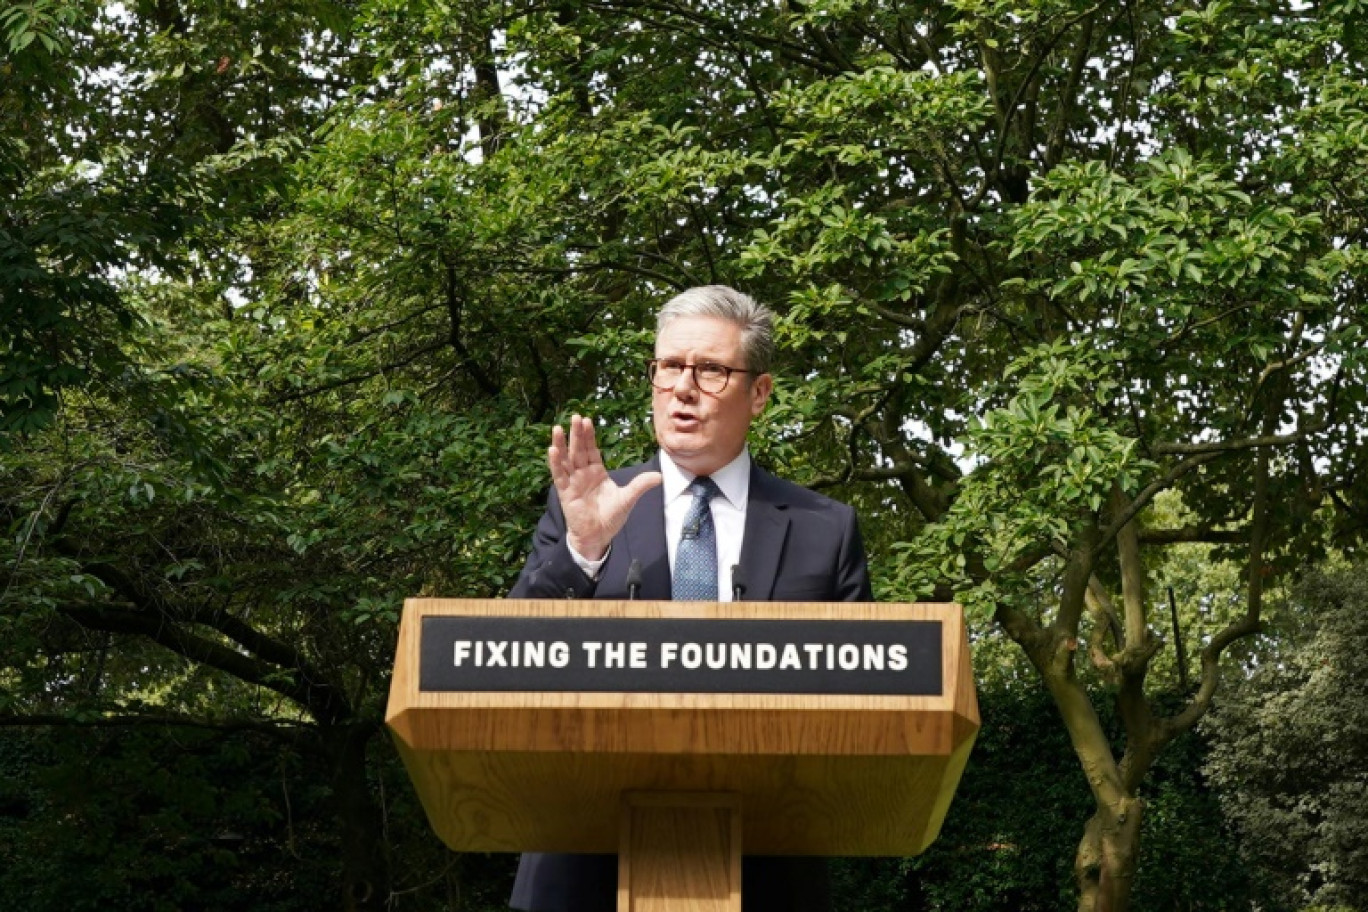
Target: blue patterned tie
{"points": [[695, 570]]}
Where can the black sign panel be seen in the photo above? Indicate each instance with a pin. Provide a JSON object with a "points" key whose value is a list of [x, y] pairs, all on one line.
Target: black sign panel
{"points": [[671, 655]]}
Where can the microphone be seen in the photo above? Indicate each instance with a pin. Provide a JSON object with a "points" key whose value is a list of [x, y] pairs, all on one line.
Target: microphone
{"points": [[738, 583], [634, 579]]}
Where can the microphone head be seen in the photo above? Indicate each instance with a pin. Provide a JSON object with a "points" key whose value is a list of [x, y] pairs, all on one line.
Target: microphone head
{"points": [[634, 573]]}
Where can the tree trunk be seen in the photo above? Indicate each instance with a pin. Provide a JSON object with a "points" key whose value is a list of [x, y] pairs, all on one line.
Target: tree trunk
{"points": [[1107, 856], [365, 867]]}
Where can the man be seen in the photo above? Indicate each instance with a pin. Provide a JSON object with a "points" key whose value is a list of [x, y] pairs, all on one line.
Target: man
{"points": [[687, 518]]}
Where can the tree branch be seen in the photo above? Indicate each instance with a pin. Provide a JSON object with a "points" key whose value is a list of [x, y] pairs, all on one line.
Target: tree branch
{"points": [[1078, 570], [322, 701], [1104, 613], [1054, 144], [1251, 623], [286, 731], [990, 175], [1151, 491], [1230, 446], [309, 392], [277, 665], [1132, 579], [900, 319], [454, 312], [1191, 534]]}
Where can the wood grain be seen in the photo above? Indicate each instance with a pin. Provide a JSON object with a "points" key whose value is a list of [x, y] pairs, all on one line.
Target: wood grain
{"points": [[680, 852], [818, 774]]}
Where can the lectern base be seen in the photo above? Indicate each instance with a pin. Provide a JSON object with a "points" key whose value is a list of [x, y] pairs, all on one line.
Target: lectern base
{"points": [[680, 852]]}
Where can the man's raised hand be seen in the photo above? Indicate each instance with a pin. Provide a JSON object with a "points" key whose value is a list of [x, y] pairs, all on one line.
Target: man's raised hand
{"points": [[595, 506]]}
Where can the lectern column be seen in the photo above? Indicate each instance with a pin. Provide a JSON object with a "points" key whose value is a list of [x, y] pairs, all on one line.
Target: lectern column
{"points": [[680, 852]]}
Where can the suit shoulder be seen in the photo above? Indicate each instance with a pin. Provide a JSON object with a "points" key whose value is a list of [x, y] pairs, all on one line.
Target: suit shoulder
{"points": [[782, 491]]}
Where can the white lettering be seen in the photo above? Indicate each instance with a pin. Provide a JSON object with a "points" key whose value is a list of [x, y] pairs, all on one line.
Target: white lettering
{"points": [[765, 656], [592, 649], [897, 657], [462, 652], [691, 656], [560, 654], [790, 658], [638, 658], [668, 653]]}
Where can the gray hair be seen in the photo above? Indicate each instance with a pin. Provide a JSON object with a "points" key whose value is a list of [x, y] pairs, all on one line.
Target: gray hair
{"points": [[724, 303]]}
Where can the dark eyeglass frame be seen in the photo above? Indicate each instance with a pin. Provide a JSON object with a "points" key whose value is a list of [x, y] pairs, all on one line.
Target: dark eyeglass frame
{"points": [[653, 367]]}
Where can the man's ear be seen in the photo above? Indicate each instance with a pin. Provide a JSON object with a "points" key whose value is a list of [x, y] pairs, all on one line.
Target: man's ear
{"points": [[760, 392]]}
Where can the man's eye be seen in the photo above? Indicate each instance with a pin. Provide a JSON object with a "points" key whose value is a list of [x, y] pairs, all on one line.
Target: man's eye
{"points": [[668, 364], [711, 370]]}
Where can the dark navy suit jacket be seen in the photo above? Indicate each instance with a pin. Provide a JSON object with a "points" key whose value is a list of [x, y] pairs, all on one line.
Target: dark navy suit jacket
{"points": [[798, 546]]}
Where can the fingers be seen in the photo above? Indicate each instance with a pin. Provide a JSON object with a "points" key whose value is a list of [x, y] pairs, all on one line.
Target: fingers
{"points": [[569, 453], [557, 458], [584, 449]]}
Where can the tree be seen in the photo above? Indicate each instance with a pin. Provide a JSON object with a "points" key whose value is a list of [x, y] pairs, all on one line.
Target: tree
{"points": [[1010, 834], [151, 574], [1036, 263], [1109, 252], [96, 187]]}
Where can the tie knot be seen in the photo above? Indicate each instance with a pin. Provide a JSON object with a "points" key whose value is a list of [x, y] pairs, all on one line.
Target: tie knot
{"points": [[704, 487]]}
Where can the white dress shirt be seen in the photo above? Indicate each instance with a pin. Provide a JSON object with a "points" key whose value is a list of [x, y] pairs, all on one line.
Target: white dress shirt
{"points": [[728, 513]]}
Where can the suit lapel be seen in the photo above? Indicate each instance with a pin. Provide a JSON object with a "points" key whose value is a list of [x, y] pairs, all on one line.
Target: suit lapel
{"points": [[767, 524], [644, 538]]}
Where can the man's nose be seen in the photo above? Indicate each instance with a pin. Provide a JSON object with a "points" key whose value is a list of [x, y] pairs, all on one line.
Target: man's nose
{"points": [[687, 384]]}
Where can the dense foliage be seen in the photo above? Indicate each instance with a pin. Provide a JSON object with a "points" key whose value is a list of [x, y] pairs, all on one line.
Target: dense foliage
{"points": [[165, 818], [290, 292], [1291, 744]]}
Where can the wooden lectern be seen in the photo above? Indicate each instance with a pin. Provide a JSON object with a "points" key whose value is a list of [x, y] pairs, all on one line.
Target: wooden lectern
{"points": [[674, 733]]}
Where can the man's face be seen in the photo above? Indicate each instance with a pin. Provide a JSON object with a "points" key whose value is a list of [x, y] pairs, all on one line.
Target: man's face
{"points": [[701, 431]]}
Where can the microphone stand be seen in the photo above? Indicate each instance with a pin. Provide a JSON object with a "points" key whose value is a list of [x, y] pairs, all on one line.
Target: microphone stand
{"points": [[634, 580], [738, 581]]}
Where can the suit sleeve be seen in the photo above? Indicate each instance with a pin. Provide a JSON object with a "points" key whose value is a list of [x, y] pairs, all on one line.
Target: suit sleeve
{"points": [[550, 571], [852, 571]]}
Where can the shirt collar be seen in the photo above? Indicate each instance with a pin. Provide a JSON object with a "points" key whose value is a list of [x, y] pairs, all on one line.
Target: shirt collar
{"points": [[733, 479]]}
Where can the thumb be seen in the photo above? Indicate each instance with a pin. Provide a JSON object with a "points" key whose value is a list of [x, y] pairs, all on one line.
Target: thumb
{"points": [[640, 485]]}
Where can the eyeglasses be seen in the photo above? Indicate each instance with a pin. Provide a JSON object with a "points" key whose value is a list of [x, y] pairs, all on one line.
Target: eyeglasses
{"points": [[709, 376]]}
